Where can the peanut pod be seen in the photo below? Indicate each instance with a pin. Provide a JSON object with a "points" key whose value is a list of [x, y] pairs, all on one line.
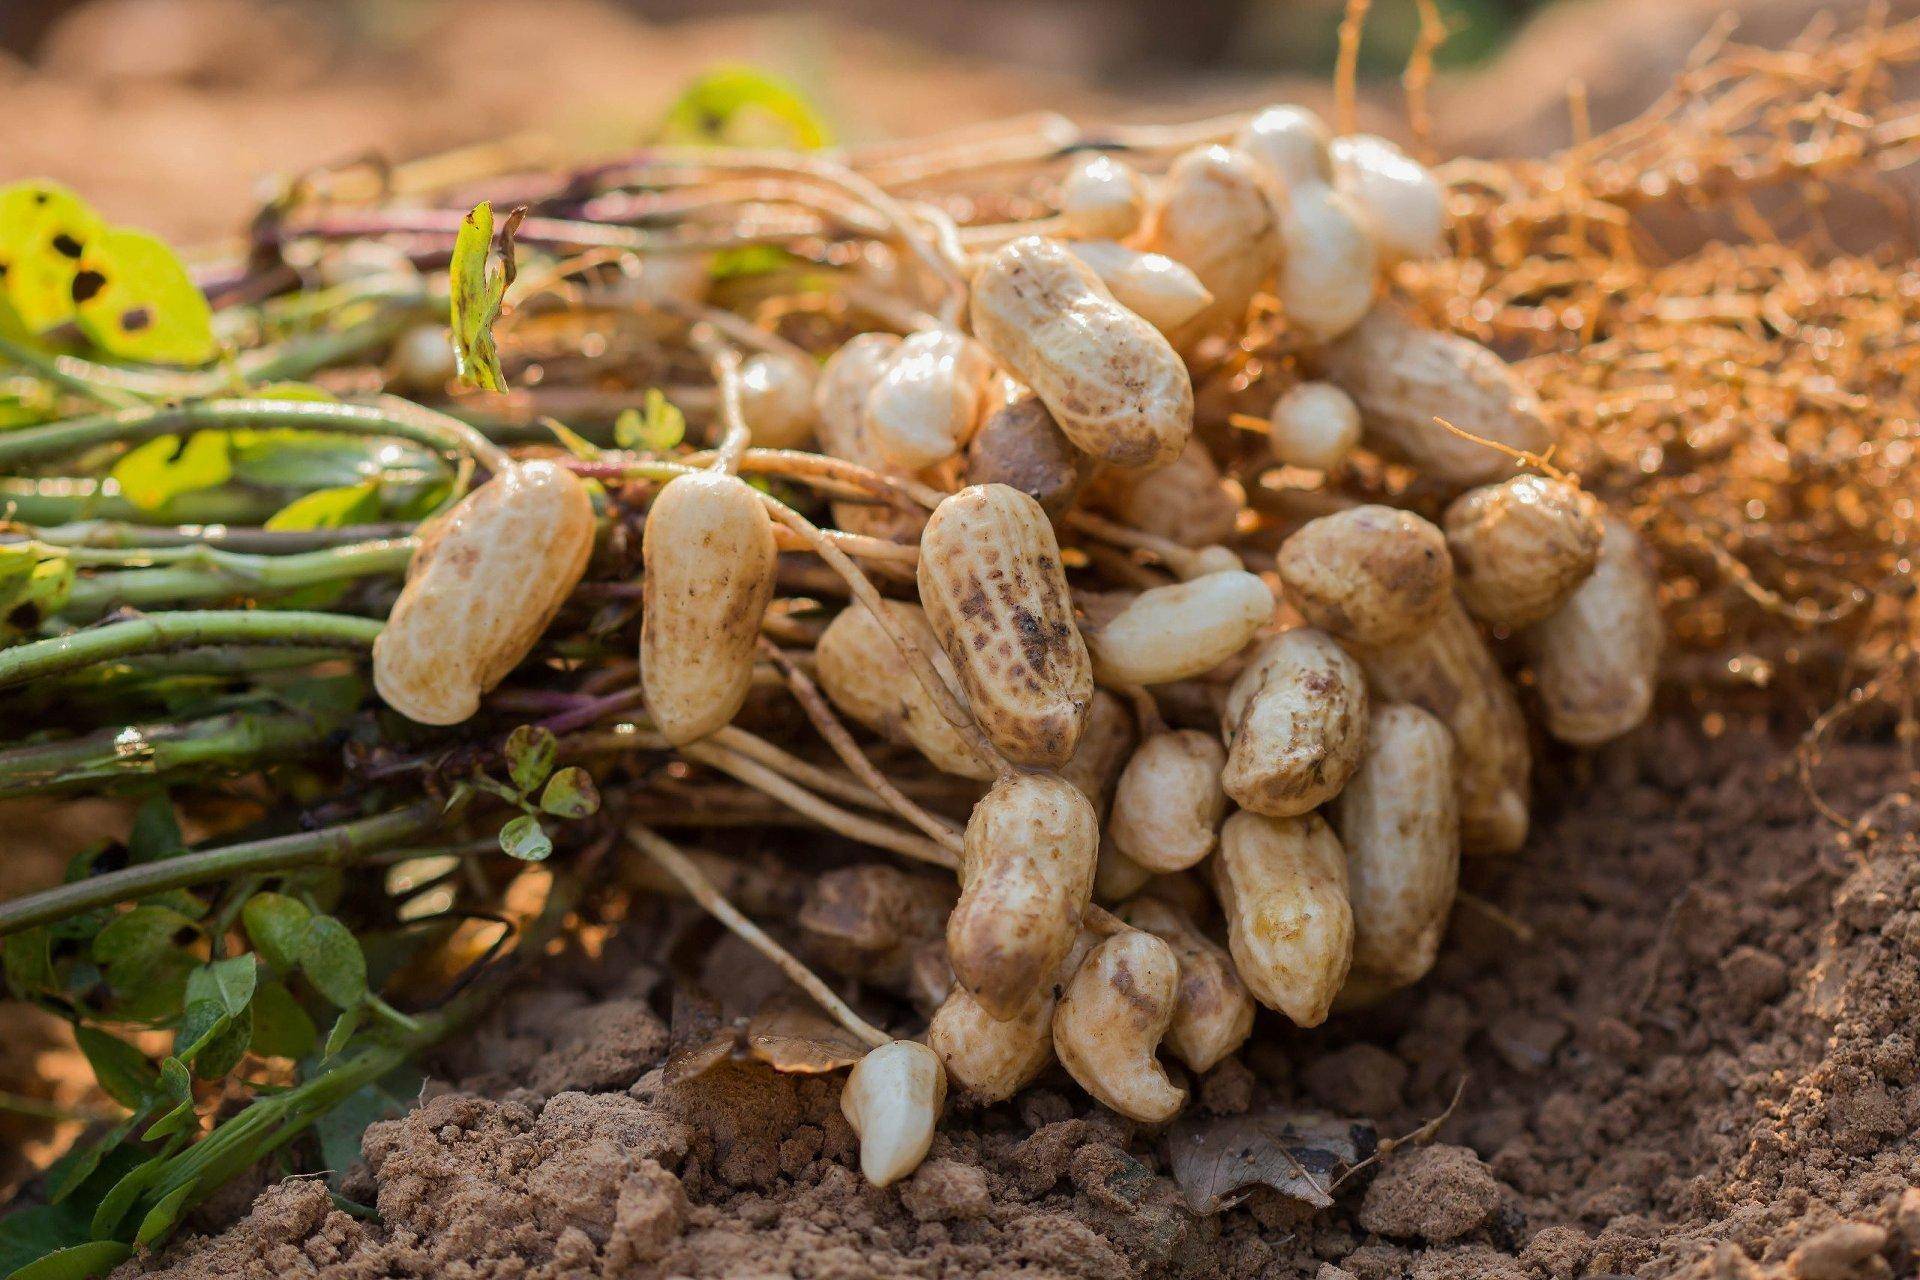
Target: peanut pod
{"points": [[1109, 1023], [1295, 725], [1282, 884]]}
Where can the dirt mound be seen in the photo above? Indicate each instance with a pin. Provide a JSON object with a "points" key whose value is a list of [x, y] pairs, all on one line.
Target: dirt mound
{"points": [[1698, 1060]]}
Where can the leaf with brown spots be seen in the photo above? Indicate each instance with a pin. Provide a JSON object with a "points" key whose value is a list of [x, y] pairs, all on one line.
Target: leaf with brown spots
{"points": [[1217, 1160]]}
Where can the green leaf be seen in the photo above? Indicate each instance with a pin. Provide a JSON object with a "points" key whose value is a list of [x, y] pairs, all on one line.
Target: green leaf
{"points": [[140, 936], [477, 294], [123, 1072], [152, 474], [72, 1175], [161, 1218], [530, 751], [286, 458], [230, 982], [136, 301], [330, 956], [281, 1028], [211, 1039], [76, 1262], [571, 794], [156, 830], [119, 1199], [737, 106], [330, 508], [658, 427], [28, 959], [45, 229], [276, 924], [341, 1129], [526, 839], [343, 1028], [153, 991]]}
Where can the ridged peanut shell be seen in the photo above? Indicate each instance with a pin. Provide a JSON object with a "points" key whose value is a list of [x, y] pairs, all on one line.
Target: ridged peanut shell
{"points": [[1187, 500], [1021, 446], [1370, 574], [1215, 214], [1180, 630], [1168, 806], [1521, 548], [1282, 884], [1212, 1011], [1295, 724], [1110, 1021], [864, 676]]}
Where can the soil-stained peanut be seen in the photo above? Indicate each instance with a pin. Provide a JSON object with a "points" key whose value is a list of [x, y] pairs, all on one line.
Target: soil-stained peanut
{"points": [[1105, 744], [927, 400], [1102, 199], [1291, 145], [1109, 378], [1109, 1023], [1598, 656], [1026, 874], [776, 399], [1181, 630], [996, 594], [1164, 293], [1404, 377], [1371, 574], [1187, 500], [1167, 809], [1329, 262], [1295, 724], [1282, 884], [863, 674], [1020, 445], [1521, 547], [710, 559], [486, 580], [991, 1058], [1447, 669], [1212, 1013], [1404, 205], [893, 1098], [1399, 821], [1314, 425], [1215, 213]]}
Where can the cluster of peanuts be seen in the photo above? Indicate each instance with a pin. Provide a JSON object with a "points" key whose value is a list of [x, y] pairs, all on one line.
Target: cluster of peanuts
{"points": [[1349, 728]]}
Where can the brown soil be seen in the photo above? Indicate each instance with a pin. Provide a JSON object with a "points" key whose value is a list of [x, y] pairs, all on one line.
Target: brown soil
{"points": [[1701, 1061]]}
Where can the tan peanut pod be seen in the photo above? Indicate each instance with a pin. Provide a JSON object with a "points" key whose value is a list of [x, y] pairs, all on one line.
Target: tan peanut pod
{"points": [[1105, 744], [1110, 380], [1212, 1013], [710, 559], [1328, 269], [1521, 547], [1117, 877], [1295, 725], [1026, 874], [1021, 446], [996, 595], [893, 1098], [487, 578], [1282, 884], [1164, 293], [1598, 656], [926, 402], [994, 1059], [776, 399], [1404, 376], [1447, 669], [864, 676], [1187, 500], [1179, 631], [1215, 214], [1399, 820], [1403, 203], [1110, 1021], [1369, 574], [1102, 199], [1167, 808], [1313, 425]]}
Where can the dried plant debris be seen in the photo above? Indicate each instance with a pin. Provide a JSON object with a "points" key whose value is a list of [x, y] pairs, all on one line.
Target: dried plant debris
{"points": [[1218, 1160]]}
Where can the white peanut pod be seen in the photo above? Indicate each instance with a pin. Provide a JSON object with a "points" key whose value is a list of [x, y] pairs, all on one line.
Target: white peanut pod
{"points": [[1187, 501], [1102, 199], [864, 675], [893, 1098], [1329, 265], [776, 399], [840, 422], [1292, 145], [1167, 808], [1163, 292], [1282, 884], [1598, 656], [1109, 378], [1026, 875], [710, 559], [1216, 214], [995, 592], [1446, 668], [1313, 425], [992, 1058], [487, 578], [1399, 820], [1020, 445], [1212, 1011], [1180, 630], [1404, 377], [1521, 548], [927, 400], [1370, 574], [1403, 204], [1295, 724], [1105, 743], [1109, 1023]]}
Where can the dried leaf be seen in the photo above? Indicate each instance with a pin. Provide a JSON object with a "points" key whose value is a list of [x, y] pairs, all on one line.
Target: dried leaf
{"points": [[698, 1038], [790, 1034], [1217, 1160]]}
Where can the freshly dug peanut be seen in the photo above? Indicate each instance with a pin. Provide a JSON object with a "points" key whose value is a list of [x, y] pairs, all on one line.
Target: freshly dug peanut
{"points": [[710, 559], [1187, 500], [1105, 744], [1109, 1023], [1314, 425], [862, 672], [1020, 445], [1102, 199], [1404, 377], [1026, 874], [1109, 378], [1181, 630], [1291, 144], [1153, 286], [1447, 669], [1403, 203], [1399, 821], [1521, 547], [1282, 884], [893, 1098], [840, 410], [1167, 809], [1212, 1012], [1329, 265], [776, 399], [1598, 656], [1371, 574], [994, 1059], [927, 400], [996, 595], [1295, 725], [1117, 877], [486, 580], [1215, 214]]}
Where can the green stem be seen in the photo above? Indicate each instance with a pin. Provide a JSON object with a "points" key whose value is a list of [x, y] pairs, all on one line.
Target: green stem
{"points": [[84, 537], [61, 499], [166, 631], [83, 377], [206, 572], [233, 740]]}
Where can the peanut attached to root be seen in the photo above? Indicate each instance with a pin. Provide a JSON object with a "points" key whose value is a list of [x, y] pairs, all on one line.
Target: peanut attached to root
{"points": [[776, 398], [1329, 262], [1176, 632], [927, 400], [1021, 446], [840, 409], [1168, 806], [893, 1098], [1598, 656], [861, 674], [1403, 203], [1521, 548], [1373, 575], [1313, 425], [1291, 145], [1186, 501], [1214, 214], [1295, 725], [1109, 1023], [487, 578], [1282, 884], [1164, 293], [1102, 199], [1212, 1011], [994, 1058]]}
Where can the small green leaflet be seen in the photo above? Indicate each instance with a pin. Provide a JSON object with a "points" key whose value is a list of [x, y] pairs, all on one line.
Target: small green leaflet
{"points": [[44, 231], [570, 794], [122, 1071], [330, 956], [76, 1262], [277, 924], [738, 106], [477, 294], [152, 474], [530, 751], [656, 428], [330, 508], [524, 838], [136, 301]]}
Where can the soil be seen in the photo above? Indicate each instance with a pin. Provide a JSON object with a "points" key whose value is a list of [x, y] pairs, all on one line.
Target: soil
{"points": [[1695, 1057]]}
